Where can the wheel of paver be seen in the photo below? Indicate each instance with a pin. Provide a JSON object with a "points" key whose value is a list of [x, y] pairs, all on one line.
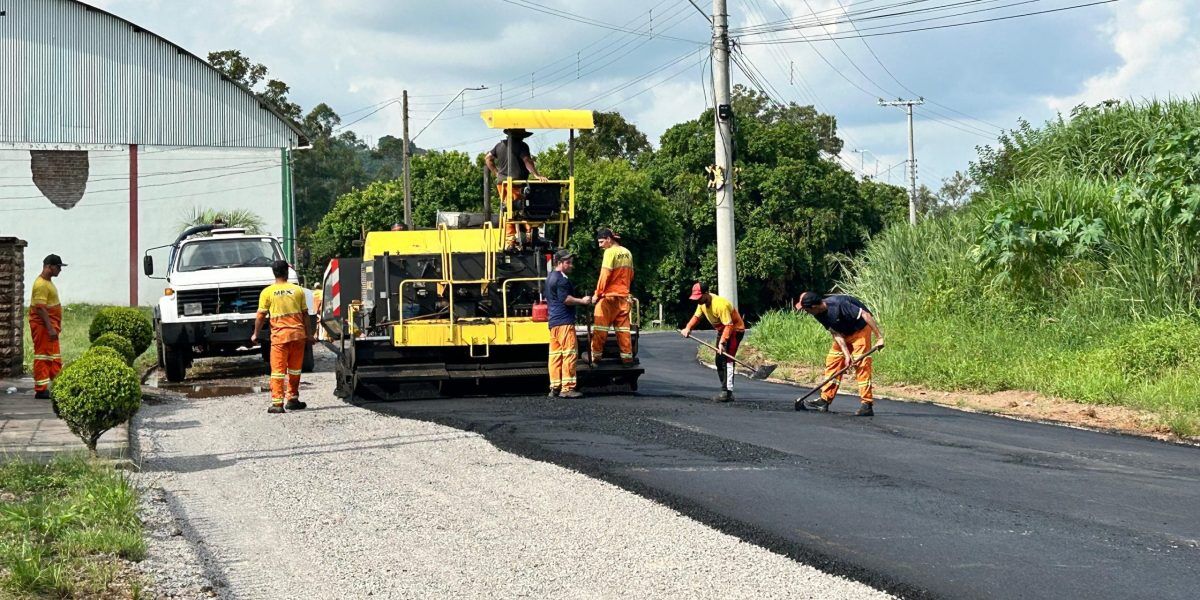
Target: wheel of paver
{"points": [[343, 386], [309, 362], [175, 363], [633, 383]]}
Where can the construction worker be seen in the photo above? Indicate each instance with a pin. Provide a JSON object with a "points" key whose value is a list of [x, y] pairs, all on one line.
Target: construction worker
{"points": [[45, 325], [730, 327], [851, 324], [564, 347], [399, 227], [497, 161], [284, 302], [612, 297]]}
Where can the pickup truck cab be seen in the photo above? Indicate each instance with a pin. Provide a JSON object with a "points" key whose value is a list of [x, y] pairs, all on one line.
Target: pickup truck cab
{"points": [[211, 299]]}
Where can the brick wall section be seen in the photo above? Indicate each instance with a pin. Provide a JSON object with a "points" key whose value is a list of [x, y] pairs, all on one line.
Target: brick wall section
{"points": [[12, 300], [61, 175]]}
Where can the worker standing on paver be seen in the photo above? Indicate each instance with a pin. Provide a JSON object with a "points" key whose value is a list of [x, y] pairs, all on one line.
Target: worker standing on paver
{"points": [[287, 307], [564, 346], [497, 161], [45, 324], [612, 297], [851, 324], [730, 327]]}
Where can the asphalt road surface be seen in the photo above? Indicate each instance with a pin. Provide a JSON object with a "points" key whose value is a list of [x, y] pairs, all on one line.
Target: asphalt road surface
{"points": [[920, 500]]}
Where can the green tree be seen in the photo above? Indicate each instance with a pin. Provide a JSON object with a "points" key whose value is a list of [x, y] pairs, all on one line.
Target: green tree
{"points": [[612, 137], [331, 168], [249, 74]]}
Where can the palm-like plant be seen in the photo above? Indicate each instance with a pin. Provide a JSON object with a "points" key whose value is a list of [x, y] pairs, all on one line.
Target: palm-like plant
{"points": [[237, 217]]}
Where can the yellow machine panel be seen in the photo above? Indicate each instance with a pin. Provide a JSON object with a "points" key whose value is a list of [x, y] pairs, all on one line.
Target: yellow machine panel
{"points": [[519, 118], [431, 241]]}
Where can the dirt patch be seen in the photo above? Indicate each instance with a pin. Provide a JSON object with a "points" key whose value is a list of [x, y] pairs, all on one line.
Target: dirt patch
{"points": [[1009, 403]]}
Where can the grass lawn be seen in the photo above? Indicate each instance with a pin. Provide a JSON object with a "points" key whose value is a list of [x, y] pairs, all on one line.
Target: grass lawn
{"points": [[1153, 366], [74, 337], [68, 529]]}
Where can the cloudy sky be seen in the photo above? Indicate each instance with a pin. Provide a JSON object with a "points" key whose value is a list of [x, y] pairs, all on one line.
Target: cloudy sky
{"points": [[357, 56]]}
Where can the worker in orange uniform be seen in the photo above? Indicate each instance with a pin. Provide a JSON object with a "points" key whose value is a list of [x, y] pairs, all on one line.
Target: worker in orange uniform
{"points": [[612, 297], [45, 324], [851, 325], [564, 346], [724, 317], [285, 303], [497, 161]]}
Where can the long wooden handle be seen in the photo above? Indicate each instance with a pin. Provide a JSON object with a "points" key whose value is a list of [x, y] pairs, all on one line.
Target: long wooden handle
{"points": [[714, 349], [838, 374]]}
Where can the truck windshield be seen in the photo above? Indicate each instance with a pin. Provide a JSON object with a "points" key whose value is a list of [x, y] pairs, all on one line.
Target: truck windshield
{"points": [[223, 254]]}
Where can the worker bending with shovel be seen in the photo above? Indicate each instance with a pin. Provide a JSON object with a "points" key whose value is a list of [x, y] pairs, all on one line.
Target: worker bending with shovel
{"points": [[851, 324], [730, 328]]}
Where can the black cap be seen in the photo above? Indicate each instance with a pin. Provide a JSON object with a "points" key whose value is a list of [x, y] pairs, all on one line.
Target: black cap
{"points": [[605, 232], [53, 260], [517, 132], [562, 255]]}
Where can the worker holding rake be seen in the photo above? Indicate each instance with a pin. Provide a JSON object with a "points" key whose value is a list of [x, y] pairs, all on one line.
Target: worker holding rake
{"points": [[851, 324]]}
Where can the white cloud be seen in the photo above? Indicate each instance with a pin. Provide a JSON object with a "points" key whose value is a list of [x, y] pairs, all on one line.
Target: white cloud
{"points": [[1158, 54]]}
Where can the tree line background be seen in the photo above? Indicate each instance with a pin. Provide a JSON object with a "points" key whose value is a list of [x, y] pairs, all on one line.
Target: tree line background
{"points": [[800, 215]]}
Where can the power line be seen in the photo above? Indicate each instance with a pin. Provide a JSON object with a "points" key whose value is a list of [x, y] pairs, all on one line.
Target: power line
{"points": [[803, 39], [570, 16], [701, 11]]}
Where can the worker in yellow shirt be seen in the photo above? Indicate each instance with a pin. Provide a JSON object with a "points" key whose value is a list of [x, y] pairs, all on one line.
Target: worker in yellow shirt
{"points": [[285, 303], [724, 317], [612, 297], [45, 323]]}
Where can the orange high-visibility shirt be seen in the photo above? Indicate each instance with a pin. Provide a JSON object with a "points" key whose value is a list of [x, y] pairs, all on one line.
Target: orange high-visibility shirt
{"points": [[287, 307], [616, 272]]}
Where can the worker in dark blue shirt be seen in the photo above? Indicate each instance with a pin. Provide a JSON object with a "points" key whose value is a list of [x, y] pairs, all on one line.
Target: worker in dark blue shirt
{"points": [[564, 346], [851, 324]]}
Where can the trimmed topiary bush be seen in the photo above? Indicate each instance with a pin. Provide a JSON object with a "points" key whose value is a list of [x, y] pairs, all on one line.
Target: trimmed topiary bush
{"points": [[119, 343], [108, 351], [95, 394], [126, 322]]}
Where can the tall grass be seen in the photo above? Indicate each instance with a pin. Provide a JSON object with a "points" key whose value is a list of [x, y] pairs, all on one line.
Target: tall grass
{"points": [[1074, 272]]}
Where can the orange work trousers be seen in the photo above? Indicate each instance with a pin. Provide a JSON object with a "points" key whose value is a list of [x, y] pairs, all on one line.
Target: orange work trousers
{"points": [[286, 360], [564, 353], [47, 355], [612, 311], [860, 344]]}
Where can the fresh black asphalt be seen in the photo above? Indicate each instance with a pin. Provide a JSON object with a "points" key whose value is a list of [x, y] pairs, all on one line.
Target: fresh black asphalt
{"points": [[920, 500]]}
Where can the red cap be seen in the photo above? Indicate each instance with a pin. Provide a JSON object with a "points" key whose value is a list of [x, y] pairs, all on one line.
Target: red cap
{"points": [[698, 291]]}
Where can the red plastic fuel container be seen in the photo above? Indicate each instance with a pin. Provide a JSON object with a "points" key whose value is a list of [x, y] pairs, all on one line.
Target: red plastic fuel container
{"points": [[541, 312]]}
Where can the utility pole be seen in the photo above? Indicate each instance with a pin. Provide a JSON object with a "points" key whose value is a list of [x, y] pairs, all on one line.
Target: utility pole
{"points": [[726, 244], [912, 154], [405, 167]]}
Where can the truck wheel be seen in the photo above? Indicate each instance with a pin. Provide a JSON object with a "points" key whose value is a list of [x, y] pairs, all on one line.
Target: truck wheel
{"points": [[309, 361], [175, 363]]}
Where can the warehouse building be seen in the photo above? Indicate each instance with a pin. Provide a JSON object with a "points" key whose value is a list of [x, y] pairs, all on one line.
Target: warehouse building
{"points": [[111, 137]]}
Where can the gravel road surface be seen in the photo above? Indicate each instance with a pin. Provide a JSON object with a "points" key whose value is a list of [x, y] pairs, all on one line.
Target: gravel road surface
{"points": [[342, 502]]}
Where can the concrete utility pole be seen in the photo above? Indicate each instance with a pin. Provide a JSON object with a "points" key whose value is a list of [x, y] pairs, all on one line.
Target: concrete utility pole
{"points": [[407, 155], [726, 244], [912, 154]]}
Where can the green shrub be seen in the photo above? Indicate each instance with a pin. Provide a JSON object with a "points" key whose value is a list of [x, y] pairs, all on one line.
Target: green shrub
{"points": [[108, 351], [95, 394], [129, 323], [119, 343]]}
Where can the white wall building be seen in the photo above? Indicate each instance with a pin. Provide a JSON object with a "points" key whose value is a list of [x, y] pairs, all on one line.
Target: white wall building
{"points": [[111, 136]]}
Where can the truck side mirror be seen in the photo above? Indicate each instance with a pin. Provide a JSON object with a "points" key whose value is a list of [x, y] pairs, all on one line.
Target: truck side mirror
{"points": [[148, 265]]}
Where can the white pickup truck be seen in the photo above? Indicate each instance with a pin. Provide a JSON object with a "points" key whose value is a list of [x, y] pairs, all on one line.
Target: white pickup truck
{"points": [[209, 304]]}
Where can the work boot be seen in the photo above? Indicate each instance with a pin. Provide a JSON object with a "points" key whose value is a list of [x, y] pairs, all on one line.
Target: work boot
{"points": [[570, 394], [724, 396], [276, 409], [42, 395], [295, 405], [819, 405], [866, 409], [553, 393]]}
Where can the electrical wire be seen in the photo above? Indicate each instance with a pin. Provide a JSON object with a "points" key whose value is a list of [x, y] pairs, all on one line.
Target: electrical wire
{"points": [[570, 16]]}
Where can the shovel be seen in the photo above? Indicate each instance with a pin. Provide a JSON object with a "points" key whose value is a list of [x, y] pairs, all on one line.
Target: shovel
{"points": [[800, 401], [762, 372]]}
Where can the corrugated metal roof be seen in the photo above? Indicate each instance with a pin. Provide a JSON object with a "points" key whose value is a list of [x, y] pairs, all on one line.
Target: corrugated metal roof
{"points": [[72, 73]]}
